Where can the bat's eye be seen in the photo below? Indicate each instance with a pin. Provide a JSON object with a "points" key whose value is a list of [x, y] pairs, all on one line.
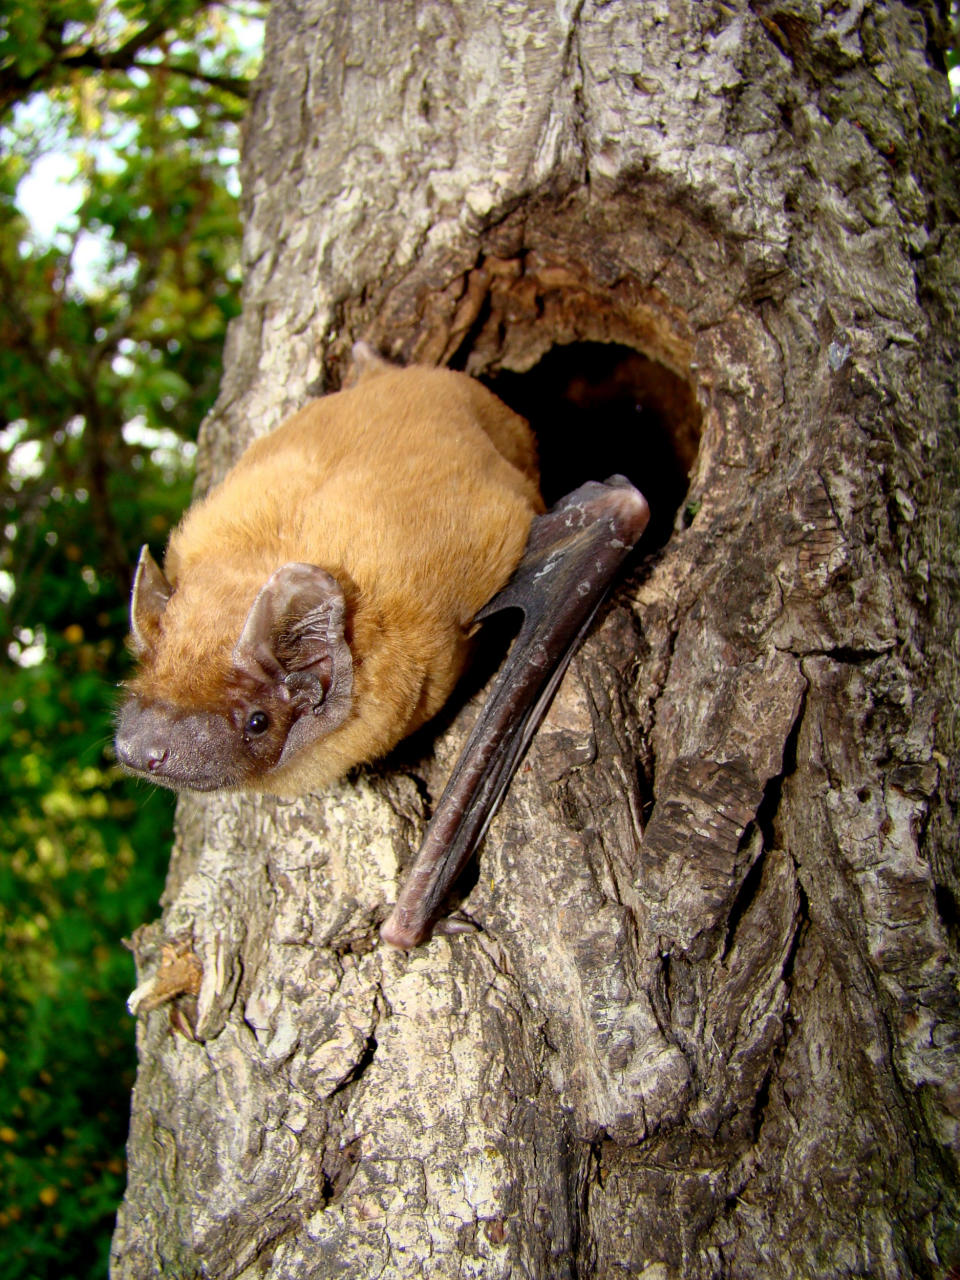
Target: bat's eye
{"points": [[257, 722]]}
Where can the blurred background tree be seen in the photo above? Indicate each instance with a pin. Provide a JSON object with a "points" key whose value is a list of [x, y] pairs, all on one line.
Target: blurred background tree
{"points": [[119, 270]]}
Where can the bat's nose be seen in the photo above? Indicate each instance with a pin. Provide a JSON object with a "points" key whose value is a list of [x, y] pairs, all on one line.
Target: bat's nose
{"points": [[133, 753], [139, 741], [155, 756]]}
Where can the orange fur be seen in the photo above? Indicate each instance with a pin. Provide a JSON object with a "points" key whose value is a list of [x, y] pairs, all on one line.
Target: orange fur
{"points": [[415, 489]]}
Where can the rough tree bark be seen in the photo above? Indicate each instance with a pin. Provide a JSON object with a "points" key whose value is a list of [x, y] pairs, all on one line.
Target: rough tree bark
{"points": [[707, 1024]]}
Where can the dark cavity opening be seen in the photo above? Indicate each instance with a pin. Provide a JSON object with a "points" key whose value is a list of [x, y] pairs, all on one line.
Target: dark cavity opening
{"points": [[601, 408]]}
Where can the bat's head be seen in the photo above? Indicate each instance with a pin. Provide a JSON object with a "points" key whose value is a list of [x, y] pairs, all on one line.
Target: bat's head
{"points": [[286, 683]]}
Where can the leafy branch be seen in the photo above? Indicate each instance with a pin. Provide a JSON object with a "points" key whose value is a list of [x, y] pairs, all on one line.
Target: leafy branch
{"points": [[52, 58]]}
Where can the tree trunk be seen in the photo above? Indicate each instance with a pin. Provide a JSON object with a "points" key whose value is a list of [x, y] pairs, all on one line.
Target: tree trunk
{"points": [[707, 1023]]}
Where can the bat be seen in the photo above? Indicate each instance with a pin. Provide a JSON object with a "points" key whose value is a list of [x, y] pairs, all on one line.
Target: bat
{"points": [[318, 605]]}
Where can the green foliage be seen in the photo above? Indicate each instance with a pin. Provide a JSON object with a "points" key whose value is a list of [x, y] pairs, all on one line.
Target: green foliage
{"points": [[111, 330]]}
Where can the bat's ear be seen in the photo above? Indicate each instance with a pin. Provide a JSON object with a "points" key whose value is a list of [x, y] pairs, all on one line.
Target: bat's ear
{"points": [[151, 591], [294, 635]]}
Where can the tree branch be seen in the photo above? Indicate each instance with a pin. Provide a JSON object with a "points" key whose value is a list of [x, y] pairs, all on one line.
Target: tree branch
{"points": [[230, 84], [15, 87]]}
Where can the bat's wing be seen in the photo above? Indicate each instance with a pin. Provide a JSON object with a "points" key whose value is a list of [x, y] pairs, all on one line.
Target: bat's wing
{"points": [[572, 555]]}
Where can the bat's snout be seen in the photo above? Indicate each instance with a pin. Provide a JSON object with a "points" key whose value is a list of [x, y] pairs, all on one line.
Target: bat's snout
{"points": [[172, 750]]}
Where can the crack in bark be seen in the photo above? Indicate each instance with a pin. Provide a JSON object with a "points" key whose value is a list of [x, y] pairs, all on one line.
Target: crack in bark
{"points": [[746, 894], [845, 654], [364, 1060]]}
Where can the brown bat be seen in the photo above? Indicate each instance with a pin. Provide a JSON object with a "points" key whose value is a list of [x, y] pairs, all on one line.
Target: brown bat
{"points": [[318, 605]]}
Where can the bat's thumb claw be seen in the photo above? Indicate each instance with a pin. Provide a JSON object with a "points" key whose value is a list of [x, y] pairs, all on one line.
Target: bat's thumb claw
{"points": [[450, 926]]}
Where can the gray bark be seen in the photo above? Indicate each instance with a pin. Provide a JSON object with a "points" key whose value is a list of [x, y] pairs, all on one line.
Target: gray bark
{"points": [[708, 1023]]}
